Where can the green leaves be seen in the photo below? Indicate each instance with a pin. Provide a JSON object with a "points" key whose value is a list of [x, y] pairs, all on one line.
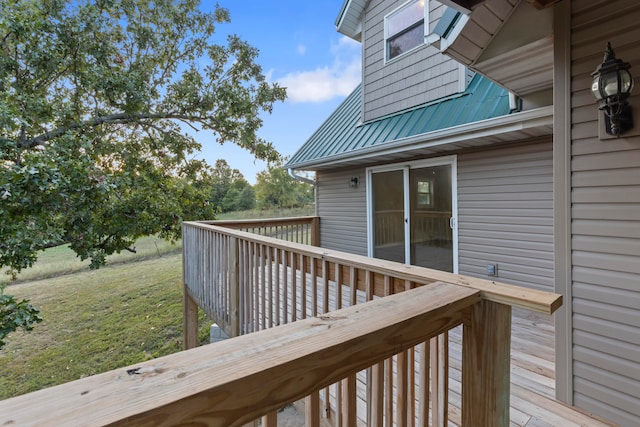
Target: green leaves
{"points": [[94, 100], [276, 188], [15, 315]]}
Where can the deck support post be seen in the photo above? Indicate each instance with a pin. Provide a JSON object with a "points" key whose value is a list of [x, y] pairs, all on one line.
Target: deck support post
{"points": [[486, 359], [190, 320], [234, 288]]}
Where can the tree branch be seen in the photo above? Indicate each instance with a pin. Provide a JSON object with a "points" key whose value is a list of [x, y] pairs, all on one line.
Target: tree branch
{"points": [[120, 118]]}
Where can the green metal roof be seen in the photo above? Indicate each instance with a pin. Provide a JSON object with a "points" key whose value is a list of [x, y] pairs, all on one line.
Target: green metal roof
{"points": [[344, 133]]}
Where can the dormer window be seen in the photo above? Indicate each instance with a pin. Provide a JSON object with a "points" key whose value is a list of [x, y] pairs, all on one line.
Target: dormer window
{"points": [[404, 28]]}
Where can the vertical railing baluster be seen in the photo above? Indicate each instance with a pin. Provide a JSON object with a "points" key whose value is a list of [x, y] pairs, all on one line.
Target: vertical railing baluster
{"points": [[314, 287], [234, 288], [285, 286], [423, 384], [376, 403], [325, 309], [256, 286], [263, 286], [303, 286], [341, 408], [270, 420], [388, 392], [401, 389], [338, 288], [312, 410], [411, 387], [293, 307], [276, 283], [440, 379], [269, 305]]}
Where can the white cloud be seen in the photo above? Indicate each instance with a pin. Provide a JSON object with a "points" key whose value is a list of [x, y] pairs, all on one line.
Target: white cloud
{"points": [[301, 49], [345, 44], [328, 81]]}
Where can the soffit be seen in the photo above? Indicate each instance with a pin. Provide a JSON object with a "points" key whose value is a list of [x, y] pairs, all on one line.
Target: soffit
{"points": [[511, 42], [349, 20]]}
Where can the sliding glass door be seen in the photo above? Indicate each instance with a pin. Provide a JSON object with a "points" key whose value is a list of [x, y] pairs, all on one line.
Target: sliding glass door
{"points": [[412, 216]]}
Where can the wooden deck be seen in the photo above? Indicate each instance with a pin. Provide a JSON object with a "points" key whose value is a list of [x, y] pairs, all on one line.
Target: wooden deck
{"points": [[532, 377], [249, 283]]}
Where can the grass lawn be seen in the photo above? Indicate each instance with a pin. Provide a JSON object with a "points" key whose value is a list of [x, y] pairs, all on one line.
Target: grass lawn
{"points": [[95, 321], [62, 260]]}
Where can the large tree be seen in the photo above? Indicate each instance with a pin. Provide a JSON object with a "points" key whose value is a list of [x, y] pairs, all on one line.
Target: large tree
{"points": [[95, 98]]}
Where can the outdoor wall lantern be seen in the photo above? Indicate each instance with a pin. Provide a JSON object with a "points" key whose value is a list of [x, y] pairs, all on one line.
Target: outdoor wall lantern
{"points": [[612, 84], [354, 181]]}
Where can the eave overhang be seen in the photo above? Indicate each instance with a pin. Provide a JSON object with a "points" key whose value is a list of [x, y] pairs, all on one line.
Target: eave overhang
{"points": [[522, 126], [508, 41], [349, 20]]}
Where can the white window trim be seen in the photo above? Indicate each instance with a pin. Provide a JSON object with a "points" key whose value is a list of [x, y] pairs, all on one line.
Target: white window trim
{"points": [[386, 32], [451, 160]]}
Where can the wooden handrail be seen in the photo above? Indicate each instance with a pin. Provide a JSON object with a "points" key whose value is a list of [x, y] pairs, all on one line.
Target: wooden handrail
{"points": [[243, 223], [236, 381], [303, 229], [515, 296]]}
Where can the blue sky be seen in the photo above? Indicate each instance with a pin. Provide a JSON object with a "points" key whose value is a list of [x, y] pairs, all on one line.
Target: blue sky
{"points": [[300, 49]]}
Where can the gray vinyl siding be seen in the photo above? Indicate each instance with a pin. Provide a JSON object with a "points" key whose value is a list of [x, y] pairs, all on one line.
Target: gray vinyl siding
{"points": [[342, 210], [505, 214], [414, 78], [605, 233]]}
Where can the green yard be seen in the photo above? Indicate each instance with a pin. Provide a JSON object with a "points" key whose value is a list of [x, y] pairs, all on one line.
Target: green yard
{"points": [[95, 321]]}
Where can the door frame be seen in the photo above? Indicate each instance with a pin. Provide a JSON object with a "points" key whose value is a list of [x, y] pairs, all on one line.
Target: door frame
{"points": [[452, 161]]}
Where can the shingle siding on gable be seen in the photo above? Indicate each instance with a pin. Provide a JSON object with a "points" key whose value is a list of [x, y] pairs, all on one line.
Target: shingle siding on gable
{"points": [[402, 83]]}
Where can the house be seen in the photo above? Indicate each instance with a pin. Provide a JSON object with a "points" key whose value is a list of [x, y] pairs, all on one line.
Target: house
{"points": [[474, 145]]}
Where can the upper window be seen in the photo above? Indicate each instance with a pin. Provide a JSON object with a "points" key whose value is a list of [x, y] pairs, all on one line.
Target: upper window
{"points": [[404, 28]]}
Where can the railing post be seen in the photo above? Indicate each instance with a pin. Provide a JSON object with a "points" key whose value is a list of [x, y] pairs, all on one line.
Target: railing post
{"points": [[190, 320], [486, 358], [315, 231], [234, 288]]}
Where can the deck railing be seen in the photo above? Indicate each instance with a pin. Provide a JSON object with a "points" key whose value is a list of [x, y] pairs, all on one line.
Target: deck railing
{"points": [[248, 283], [233, 382], [348, 342], [303, 229]]}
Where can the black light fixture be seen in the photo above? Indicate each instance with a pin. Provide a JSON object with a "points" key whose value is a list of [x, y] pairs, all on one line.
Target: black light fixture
{"points": [[612, 84]]}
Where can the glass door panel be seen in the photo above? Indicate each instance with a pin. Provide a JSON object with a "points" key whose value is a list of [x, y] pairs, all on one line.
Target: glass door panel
{"points": [[388, 215], [430, 202]]}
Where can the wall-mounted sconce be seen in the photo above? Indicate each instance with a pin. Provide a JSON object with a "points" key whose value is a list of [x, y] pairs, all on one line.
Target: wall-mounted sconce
{"points": [[612, 84], [354, 182]]}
